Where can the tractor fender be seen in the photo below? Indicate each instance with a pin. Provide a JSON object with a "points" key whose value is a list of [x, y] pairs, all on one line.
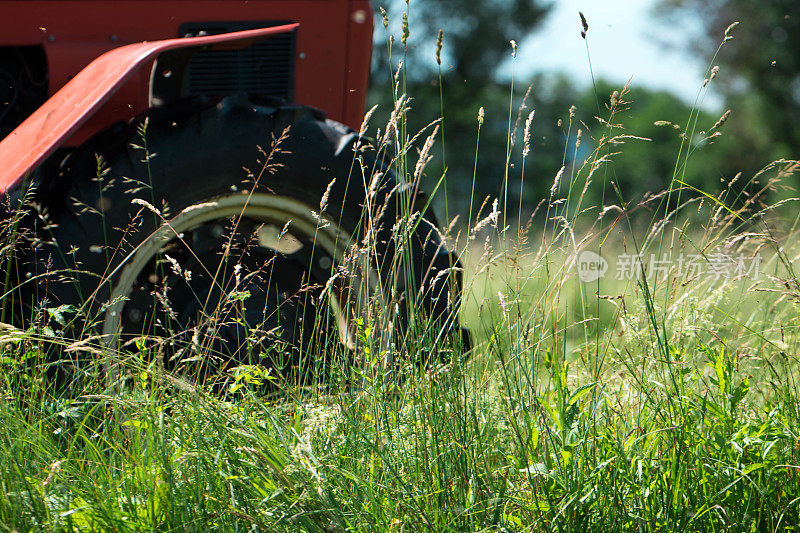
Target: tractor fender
{"points": [[48, 127]]}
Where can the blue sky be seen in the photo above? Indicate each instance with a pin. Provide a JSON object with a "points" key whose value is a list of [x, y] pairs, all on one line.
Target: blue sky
{"points": [[625, 40]]}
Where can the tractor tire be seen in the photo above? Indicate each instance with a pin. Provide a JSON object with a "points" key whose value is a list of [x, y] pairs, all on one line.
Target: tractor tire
{"points": [[213, 222]]}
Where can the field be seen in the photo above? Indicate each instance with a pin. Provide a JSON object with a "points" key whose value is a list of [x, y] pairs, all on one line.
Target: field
{"points": [[634, 367]]}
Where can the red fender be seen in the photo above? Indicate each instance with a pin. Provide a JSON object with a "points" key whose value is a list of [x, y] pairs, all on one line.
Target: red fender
{"points": [[49, 126]]}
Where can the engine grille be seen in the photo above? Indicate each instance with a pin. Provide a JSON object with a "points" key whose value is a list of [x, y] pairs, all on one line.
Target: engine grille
{"points": [[265, 69]]}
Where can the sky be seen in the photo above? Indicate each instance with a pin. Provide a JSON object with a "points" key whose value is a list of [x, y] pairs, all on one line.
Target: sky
{"points": [[625, 40]]}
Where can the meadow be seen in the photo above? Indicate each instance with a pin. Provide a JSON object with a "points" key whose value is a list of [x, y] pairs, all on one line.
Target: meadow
{"points": [[633, 367]]}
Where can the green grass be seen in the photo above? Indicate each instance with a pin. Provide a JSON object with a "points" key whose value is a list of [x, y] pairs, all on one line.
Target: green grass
{"points": [[666, 401], [533, 432]]}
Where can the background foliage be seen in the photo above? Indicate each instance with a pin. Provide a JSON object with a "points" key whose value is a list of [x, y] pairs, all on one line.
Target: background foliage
{"points": [[759, 79]]}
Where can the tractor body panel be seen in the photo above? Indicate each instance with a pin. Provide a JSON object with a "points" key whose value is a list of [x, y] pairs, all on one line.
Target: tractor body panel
{"points": [[66, 111]]}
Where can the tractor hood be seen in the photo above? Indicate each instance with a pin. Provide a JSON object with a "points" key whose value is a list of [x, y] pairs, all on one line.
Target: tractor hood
{"points": [[49, 126]]}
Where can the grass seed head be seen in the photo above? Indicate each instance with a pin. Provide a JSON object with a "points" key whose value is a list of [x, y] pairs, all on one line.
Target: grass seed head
{"points": [[147, 205], [722, 120], [728, 35], [365, 123], [439, 43], [503, 303], [397, 72], [526, 138], [373, 185], [556, 182], [425, 153], [714, 71], [385, 18], [491, 219], [323, 203]]}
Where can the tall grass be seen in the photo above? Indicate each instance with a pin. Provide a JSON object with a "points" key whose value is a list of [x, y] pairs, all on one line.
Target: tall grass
{"points": [[655, 398]]}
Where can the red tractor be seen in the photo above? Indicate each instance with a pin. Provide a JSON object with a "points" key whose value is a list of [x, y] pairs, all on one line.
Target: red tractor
{"points": [[187, 173]]}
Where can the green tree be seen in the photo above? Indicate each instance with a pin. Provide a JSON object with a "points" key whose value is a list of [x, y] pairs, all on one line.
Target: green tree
{"points": [[759, 69], [476, 46], [477, 33], [639, 168], [658, 125]]}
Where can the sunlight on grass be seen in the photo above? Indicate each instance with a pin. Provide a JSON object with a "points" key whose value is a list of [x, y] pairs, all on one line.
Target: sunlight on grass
{"points": [[650, 385]]}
